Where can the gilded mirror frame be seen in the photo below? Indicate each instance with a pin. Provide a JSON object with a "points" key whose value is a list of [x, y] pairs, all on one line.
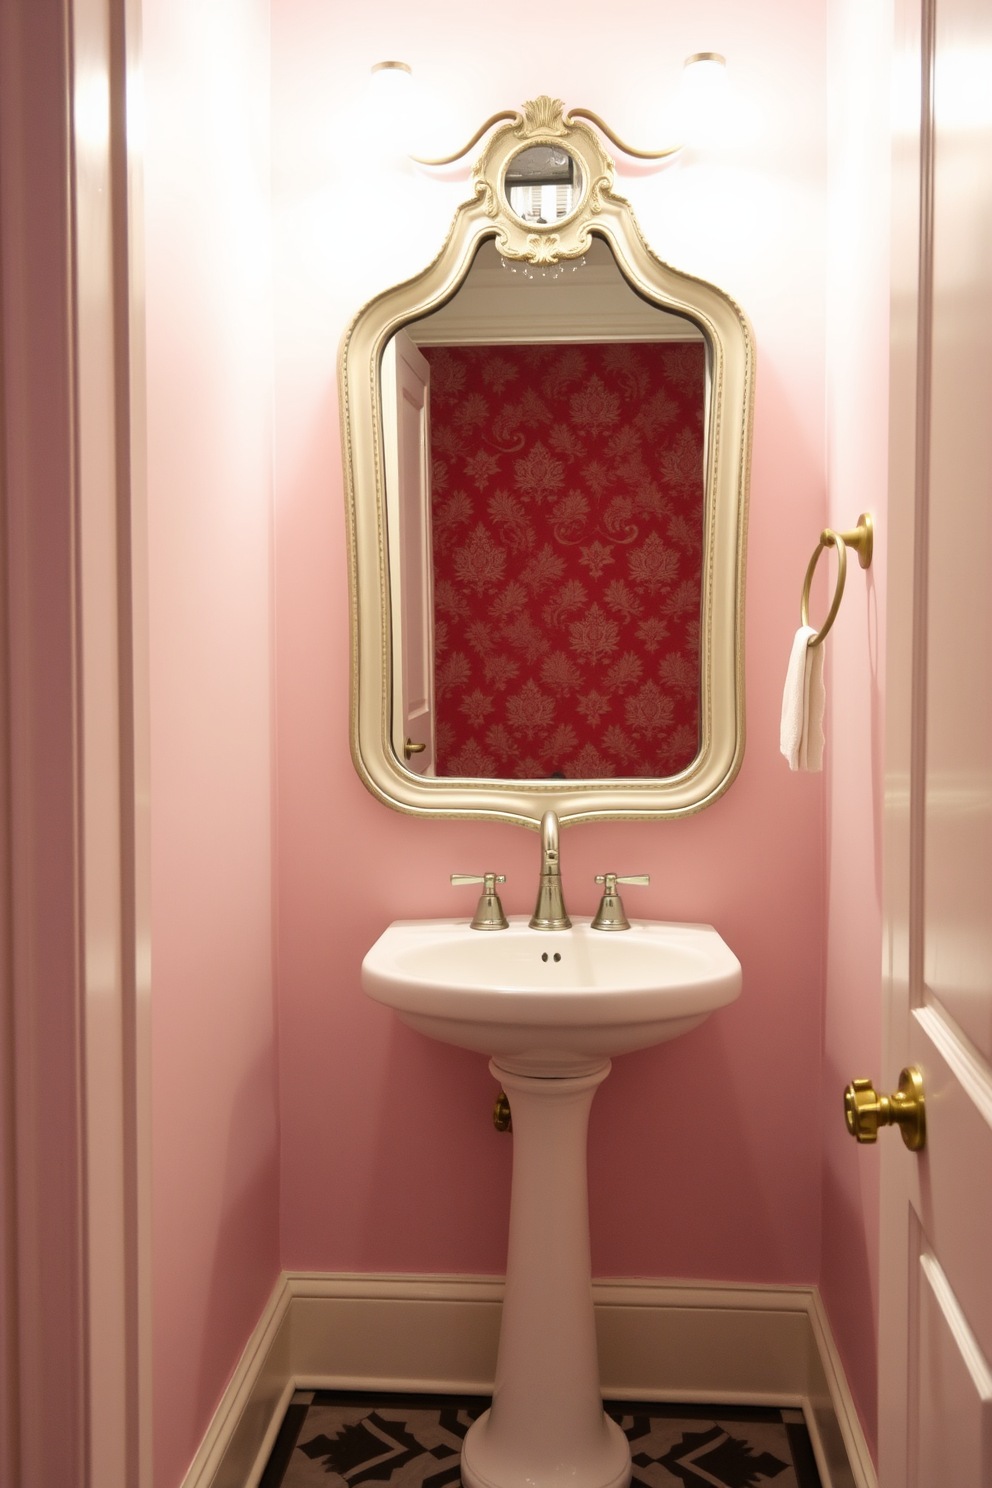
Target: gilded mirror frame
{"points": [[730, 359]]}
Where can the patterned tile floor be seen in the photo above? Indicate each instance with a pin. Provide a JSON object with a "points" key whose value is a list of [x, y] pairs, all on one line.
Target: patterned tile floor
{"points": [[343, 1439]]}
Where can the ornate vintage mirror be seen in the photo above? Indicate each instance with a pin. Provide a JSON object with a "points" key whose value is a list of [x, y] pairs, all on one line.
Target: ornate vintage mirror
{"points": [[546, 438]]}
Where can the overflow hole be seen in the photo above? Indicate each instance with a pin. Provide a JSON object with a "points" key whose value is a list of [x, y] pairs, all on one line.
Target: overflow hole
{"points": [[544, 955], [557, 957]]}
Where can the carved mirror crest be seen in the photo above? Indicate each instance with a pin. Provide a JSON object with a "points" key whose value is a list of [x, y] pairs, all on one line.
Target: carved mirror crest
{"points": [[546, 447]]}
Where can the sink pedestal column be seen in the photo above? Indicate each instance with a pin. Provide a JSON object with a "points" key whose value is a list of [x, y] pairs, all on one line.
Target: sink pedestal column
{"points": [[546, 1427]]}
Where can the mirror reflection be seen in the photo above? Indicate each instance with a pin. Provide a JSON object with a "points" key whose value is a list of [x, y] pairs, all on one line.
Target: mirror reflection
{"points": [[543, 183], [545, 459]]}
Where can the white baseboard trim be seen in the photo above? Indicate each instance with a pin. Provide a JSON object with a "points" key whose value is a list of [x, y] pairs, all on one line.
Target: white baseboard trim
{"points": [[658, 1340]]}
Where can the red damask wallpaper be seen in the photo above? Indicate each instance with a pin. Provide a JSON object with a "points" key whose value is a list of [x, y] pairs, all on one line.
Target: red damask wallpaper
{"points": [[567, 508]]}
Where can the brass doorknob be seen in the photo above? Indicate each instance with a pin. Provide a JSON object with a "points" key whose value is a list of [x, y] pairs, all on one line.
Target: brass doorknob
{"points": [[865, 1110]]}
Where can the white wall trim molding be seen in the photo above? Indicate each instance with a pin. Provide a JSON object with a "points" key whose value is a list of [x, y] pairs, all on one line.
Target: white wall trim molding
{"points": [[658, 1340], [247, 1405], [112, 742]]}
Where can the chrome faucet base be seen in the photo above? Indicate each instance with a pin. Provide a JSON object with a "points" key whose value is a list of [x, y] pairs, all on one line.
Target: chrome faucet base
{"points": [[489, 911], [611, 914], [489, 914], [544, 916], [550, 912]]}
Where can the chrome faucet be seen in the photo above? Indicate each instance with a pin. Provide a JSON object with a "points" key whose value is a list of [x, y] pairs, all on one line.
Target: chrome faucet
{"points": [[550, 912]]}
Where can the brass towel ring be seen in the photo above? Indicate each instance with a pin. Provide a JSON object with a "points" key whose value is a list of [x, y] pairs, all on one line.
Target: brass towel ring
{"points": [[862, 541]]}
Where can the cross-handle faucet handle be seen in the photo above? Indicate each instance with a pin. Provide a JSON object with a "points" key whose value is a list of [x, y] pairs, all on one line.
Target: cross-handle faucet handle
{"points": [[489, 911], [611, 915]]}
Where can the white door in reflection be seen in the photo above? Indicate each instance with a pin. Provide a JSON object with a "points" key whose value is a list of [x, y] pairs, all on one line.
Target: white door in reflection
{"points": [[406, 437]]}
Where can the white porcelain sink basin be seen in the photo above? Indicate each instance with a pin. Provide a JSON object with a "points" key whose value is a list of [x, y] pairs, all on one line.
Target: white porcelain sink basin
{"points": [[555, 1003]]}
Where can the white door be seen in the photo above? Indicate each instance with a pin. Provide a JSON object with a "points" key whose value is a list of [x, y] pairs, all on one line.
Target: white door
{"points": [[407, 447], [935, 1365]]}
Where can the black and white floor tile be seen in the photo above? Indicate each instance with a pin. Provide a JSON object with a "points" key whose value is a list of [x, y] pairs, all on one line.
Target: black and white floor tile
{"points": [[342, 1439]]}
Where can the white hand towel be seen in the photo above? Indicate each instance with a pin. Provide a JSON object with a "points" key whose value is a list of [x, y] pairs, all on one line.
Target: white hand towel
{"points": [[802, 704]]}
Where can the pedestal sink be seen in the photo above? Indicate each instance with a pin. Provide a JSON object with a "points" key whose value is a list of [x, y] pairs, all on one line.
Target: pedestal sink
{"points": [[551, 1010]]}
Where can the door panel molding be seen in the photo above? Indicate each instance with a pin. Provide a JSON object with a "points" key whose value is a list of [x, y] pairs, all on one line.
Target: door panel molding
{"points": [[955, 1418], [970, 1068]]}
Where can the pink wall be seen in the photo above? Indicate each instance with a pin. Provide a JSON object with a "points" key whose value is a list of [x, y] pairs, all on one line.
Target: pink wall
{"points": [[705, 1154], [857, 439], [215, 1131]]}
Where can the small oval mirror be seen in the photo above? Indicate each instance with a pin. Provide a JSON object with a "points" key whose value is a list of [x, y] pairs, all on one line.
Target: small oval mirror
{"points": [[543, 184]]}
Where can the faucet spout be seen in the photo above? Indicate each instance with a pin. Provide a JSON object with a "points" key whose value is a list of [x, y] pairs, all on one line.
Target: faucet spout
{"points": [[550, 912]]}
